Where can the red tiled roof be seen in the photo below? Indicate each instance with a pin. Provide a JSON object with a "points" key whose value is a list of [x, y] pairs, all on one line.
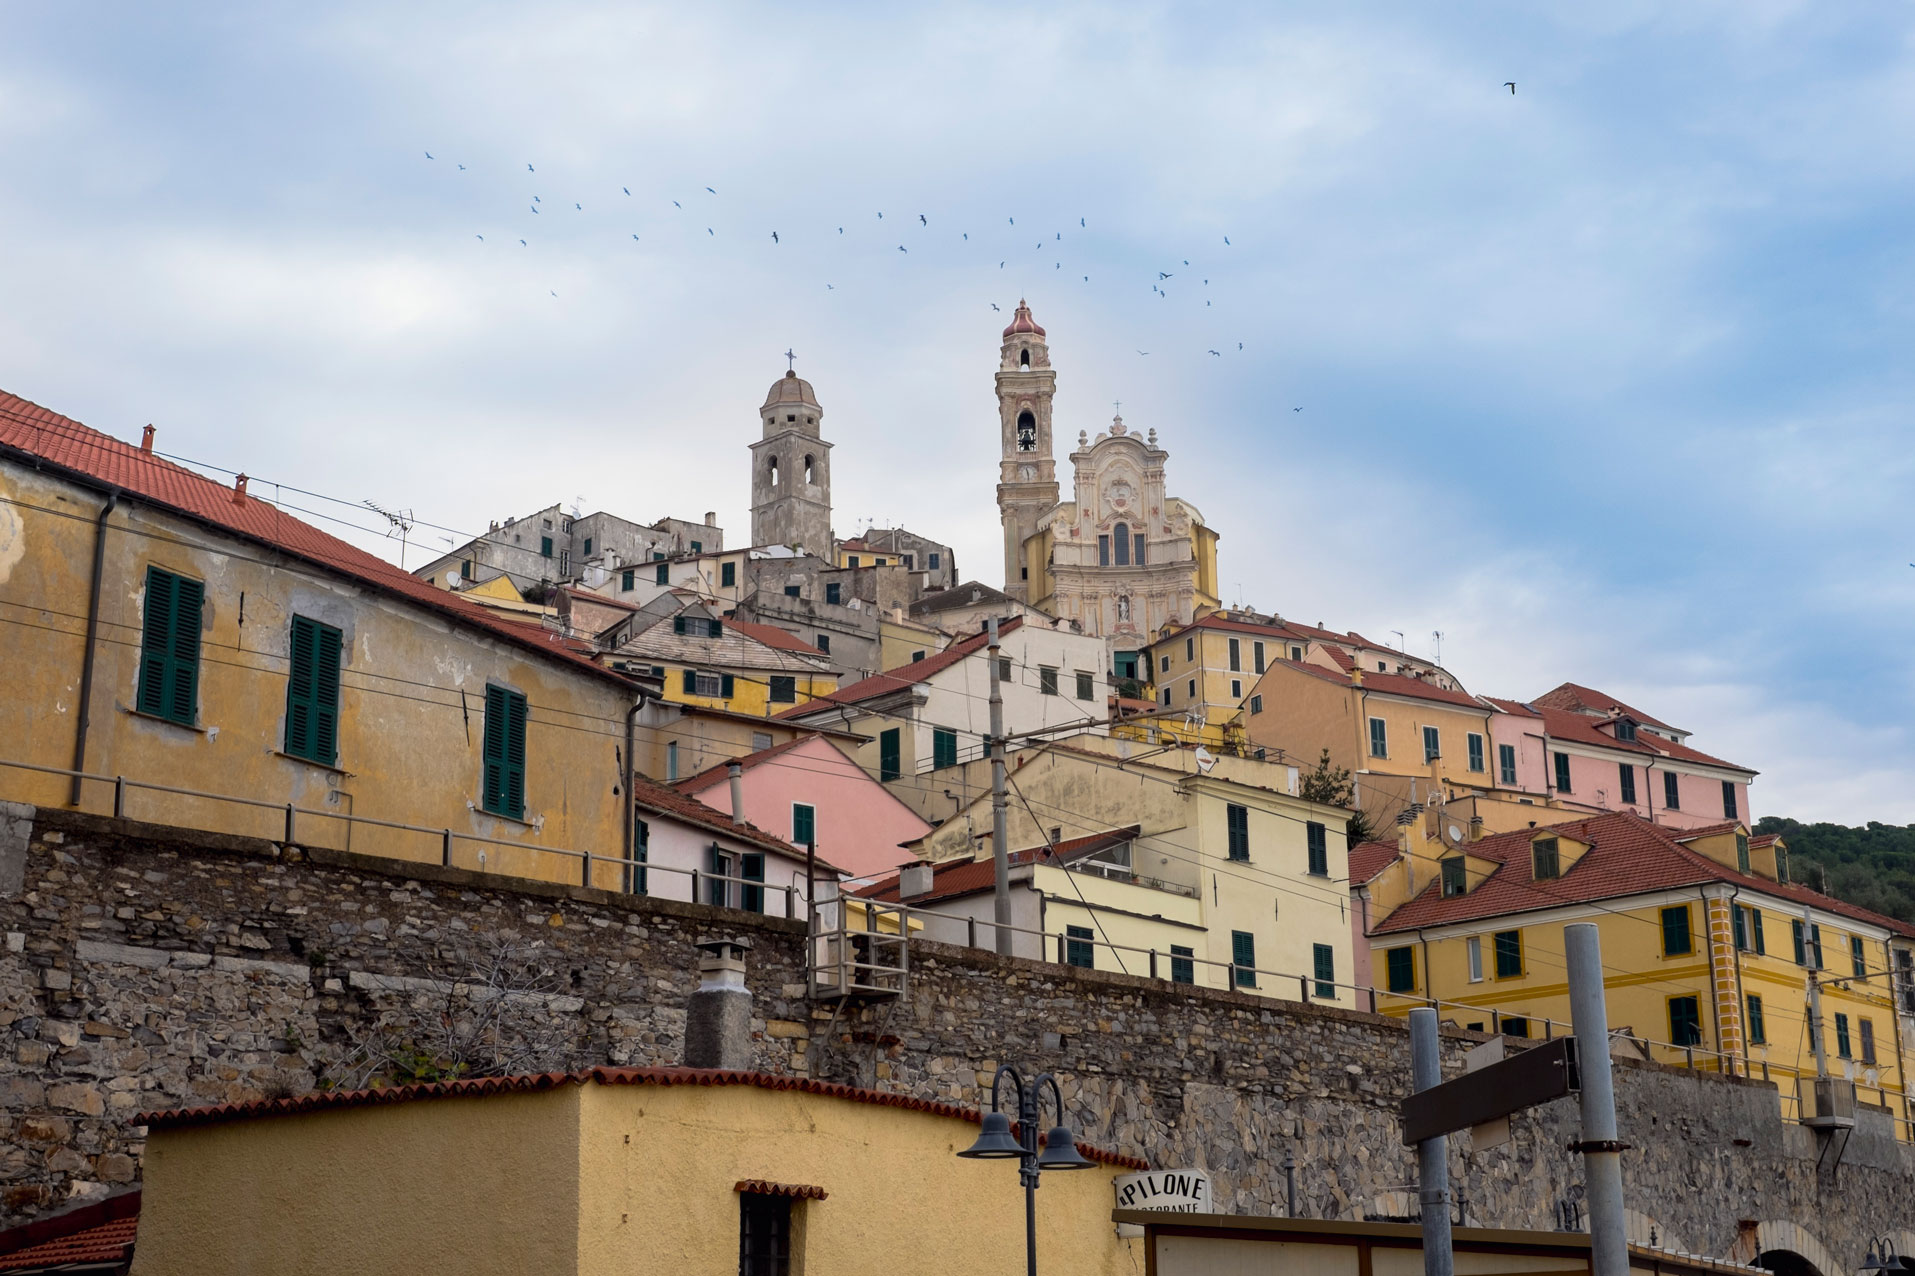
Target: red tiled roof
{"points": [[92, 1235], [1367, 859], [67, 445], [1576, 698], [954, 878], [596, 600], [1764, 839], [1419, 689], [322, 1100], [772, 636], [907, 675], [1566, 724], [765, 1187], [713, 774], [1344, 660], [1628, 855], [665, 800], [1516, 707]]}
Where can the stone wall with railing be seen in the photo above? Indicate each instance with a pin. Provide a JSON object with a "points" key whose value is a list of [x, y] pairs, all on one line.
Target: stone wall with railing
{"points": [[146, 967]]}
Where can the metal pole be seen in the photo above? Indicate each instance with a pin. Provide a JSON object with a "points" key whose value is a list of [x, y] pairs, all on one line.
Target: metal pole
{"points": [[1602, 1151], [1000, 834], [1027, 1164], [1811, 952], [1432, 1155], [1290, 1177]]}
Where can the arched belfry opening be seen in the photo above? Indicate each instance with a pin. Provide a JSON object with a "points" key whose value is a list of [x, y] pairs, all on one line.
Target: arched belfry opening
{"points": [[1024, 358], [1026, 432], [772, 470], [811, 469]]}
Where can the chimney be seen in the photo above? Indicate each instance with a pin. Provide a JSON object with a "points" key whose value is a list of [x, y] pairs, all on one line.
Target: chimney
{"points": [[239, 490], [736, 771], [711, 518], [718, 1015], [1356, 675], [914, 879], [1477, 831], [146, 440]]}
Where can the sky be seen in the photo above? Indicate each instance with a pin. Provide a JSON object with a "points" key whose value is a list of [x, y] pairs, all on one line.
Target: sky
{"points": [[1603, 380]]}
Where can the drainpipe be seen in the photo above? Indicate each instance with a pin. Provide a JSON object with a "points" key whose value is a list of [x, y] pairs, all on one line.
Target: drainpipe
{"points": [[631, 766], [92, 635]]}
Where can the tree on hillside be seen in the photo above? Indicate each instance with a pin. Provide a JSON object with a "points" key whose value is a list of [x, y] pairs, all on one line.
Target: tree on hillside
{"points": [[1333, 787], [1873, 865]]}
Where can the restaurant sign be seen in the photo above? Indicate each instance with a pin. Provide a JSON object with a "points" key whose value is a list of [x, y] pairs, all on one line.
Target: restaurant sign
{"points": [[1174, 1191]]}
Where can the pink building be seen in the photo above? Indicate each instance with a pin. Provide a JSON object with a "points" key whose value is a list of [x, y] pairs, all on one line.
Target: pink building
{"points": [[690, 852], [808, 789]]}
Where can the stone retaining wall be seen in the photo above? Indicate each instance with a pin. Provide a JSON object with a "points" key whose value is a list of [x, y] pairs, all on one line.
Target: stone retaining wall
{"points": [[146, 967]]}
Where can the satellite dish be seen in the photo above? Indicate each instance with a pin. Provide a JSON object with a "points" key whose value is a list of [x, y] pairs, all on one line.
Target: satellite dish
{"points": [[1205, 759], [1456, 833]]}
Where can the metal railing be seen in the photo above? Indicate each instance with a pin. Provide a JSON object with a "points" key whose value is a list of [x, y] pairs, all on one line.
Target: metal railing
{"points": [[288, 821]]}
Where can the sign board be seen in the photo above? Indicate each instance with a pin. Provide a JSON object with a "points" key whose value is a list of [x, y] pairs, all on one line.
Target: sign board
{"points": [[1489, 1134], [1172, 1191], [1523, 1080]]}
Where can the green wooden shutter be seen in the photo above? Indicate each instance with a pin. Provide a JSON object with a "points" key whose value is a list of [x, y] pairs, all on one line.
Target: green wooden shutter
{"points": [[753, 870], [169, 647], [312, 692], [725, 687], [1317, 837], [691, 683], [1325, 960], [503, 791], [804, 824], [890, 766], [1243, 954], [1675, 931]]}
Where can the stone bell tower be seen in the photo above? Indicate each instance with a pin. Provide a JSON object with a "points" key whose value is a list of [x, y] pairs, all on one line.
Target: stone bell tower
{"points": [[1027, 474], [791, 471]]}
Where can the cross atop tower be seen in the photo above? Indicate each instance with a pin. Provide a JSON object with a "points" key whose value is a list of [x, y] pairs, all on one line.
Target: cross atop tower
{"points": [[791, 360], [1119, 405]]}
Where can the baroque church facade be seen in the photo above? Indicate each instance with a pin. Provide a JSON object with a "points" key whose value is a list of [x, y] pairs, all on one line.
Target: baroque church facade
{"points": [[1122, 558]]}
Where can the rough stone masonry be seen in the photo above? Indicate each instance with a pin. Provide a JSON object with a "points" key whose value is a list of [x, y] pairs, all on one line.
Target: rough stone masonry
{"points": [[145, 967]]}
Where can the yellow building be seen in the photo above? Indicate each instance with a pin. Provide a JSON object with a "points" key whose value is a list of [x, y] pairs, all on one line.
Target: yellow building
{"points": [[604, 1172], [1713, 953], [177, 632], [703, 658]]}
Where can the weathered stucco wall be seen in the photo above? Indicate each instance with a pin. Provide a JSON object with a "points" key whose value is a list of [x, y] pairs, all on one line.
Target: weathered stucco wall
{"points": [[144, 968]]}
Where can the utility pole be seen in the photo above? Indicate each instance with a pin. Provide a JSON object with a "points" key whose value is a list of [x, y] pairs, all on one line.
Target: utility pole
{"points": [[1813, 952], [1433, 1154], [1602, 1151], [1000, 802]]}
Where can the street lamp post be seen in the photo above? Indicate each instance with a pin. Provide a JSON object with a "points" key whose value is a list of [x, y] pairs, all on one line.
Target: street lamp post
{"points": [[1882, 1259], [995, 1141]]}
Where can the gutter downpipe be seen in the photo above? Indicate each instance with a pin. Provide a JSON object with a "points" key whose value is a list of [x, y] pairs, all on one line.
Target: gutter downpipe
{"points": [[92, 637], [631, 734]]}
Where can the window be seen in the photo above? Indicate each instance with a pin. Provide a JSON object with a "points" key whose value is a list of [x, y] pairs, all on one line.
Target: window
{"points": [[1237, 821], [1685, 1021], [1236, 655], [1905, 979], [794, 591], [503, 772], [1473, 952], [878, 563], [588, 547], [312, 692], [1742, 852], [888, 765], [1164, 665], [1078, 949], [465, 570], [1183, 969], [1506, 763], [1545, 855], [718, 888], [1046, 681], [1475, 743], [1003, 668], [1120, 536], [545, 547], [1625, 730], [1755, 931], [1399, 965], [834, 593], [1236, 688], [804, 824], [702, 682], [169, 647], [1296, 653], [1256, 657], [1628, 790], [1316, 837], [727, 575], [764, 1235], [663, 574], [1808, 944], [626, 579], [1243, 957], [1455, 876], [1323, 959], [1562, 773], [1515, 1026], [1191, 689], [784, 689], [852, 561], [1086, 685], [1432, 744], [636, 876], [943, 748], [752, 869], [1137, 542], [1676, 940], [565, 561], [760, 741], [1190, 649], [1671, 792], [1867, 1028], [824, 643], [917, 656], [1857, 958], [1509, 953], [1728, 801], [1166, 696], [1379, 738], [1739, 925], [1781, 863], [1758, 1031], [1256, 704], [671, 760], [935, 560], [1103, 551], [1843, 1046]]}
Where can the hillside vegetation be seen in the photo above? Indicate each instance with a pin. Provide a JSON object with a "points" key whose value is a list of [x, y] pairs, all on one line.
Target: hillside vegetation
{"points": [[1873, 866]]}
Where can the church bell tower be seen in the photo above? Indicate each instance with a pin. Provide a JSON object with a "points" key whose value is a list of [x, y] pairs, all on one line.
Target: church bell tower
{"points": [[791, 471], [1027, 474]]}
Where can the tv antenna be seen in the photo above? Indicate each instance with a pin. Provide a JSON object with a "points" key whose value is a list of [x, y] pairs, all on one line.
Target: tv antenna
{"points": [[1438, 636], [401, 521]]}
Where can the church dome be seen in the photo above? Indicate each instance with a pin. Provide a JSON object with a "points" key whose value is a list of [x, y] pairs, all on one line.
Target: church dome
{"points": [[1022, 322], [790, 388]]}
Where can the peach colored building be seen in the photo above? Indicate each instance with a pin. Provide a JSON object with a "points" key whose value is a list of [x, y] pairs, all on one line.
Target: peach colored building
{"points": [[808, 788]]}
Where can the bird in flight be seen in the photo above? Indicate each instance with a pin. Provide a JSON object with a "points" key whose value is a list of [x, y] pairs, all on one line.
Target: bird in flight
{"points": [[634, 236], [903, 249], [1226, 240], [880, 216], [841, 230], [1240, 345], [676, 204], [554, 294], [530, 169], [481, 239], [711, 191], [711, 232], [1186, 261], [967, 236], [533, 207], [1143, 352], [1060, 234], [522, 244], [580, 207], [626, 189], [1206, 303], [1296, 409], [462, 168], [428, 154], [1218, 353], [994, 307], [1508, 84], [1000, 265], [1011, 220], [1086, 278], [774, 237], [921, 220], [535, 199], [831, 288], [1080, 221], [1163, 274]]}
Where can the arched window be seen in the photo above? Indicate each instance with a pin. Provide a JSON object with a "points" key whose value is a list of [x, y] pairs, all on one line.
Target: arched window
{"points": [[1024, 359], [1026, 432], [1120, 538], [811, 470], [773, 469]]}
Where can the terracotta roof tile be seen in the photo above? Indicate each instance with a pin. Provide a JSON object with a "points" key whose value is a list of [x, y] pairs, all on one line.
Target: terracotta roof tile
{"points": [[324, 1100], [907, 675], [713, 774], [951, 879], [665, 800], [66, 444], [92, 1236], [765, 1187], [772, 636], [1575, 698], [1515, 707], [1367, 859], [1566, 724]]}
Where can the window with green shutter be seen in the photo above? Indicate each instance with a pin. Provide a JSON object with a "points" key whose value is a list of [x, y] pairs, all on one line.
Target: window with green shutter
{"points": [[626, 581], [1323, 960], [943, 748], [784, 689], [1455, 874], [804, 824], [1758, 1031], [503, 789], [1399, 965], [545, 547], [726, 686], [1506, 764], [1086, 685], [1379, 738], [1432, 744], [1755, 931], [1801, 948], [169, 647], [1475, 751], [1742, 852], [1243, 956], [890, 765], [1078, 948], [1183, 966], [752, 869], [717, 885], [662, 574], [1858, 956], [312, 692], [1685, 1021], [1237, 823], [1843, 1046], [1740, 925], [1509, 953], [1562, 773], [1676, 941], [727, 575], [834, 593], [1317, 840], [1546, 860], [1627, 773]]}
